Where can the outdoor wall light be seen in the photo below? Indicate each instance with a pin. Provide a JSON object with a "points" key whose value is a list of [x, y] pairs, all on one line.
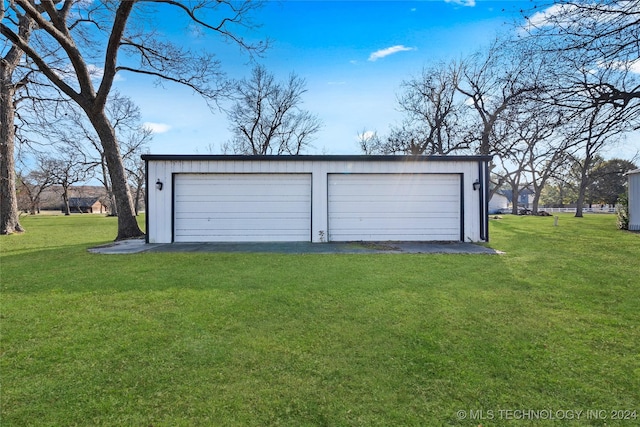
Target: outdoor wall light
{"points": [[476, 185], [159, 185]]}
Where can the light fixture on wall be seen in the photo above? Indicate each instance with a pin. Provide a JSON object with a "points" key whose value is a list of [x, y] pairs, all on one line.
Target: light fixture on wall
{"points": [[159, 185], [476, 185]]}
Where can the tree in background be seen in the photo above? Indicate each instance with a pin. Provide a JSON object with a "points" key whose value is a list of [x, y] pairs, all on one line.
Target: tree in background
{"points": [[495, 81], [266, 117], [73, 131], [432, 116], [68, 167], [608, 181], [596, 34], [96, 40], [34, 183]]}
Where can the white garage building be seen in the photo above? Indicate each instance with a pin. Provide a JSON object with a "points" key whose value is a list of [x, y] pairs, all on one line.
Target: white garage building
{"points": [[219, 198]]}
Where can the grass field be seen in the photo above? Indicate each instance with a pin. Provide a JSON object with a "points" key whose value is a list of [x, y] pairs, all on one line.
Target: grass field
{"points": [[547, 330]]}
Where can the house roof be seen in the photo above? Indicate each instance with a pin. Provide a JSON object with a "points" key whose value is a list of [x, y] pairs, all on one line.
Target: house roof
{"points": [[82, 202]]}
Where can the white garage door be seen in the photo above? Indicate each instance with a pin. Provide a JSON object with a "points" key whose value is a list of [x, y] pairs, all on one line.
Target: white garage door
{"points": [[242, 207], [384, 207]]}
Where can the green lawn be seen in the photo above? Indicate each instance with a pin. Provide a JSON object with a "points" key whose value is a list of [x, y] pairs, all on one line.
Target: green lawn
{"points": [[165, 339]]}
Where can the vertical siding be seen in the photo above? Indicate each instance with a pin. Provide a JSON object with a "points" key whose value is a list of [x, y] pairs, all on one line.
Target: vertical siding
{"points": [[160, 202], [634, 200]]}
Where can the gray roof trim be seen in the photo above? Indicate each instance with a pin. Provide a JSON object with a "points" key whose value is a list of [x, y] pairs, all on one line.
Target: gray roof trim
{"points": [[343, 158]]}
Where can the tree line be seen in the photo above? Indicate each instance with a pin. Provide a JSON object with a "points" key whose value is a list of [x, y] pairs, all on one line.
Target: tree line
{"points": [[559, 93], [545, 103]]}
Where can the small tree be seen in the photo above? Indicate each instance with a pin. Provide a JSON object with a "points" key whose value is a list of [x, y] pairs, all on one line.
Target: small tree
{"points": [[622, 211], [266, 117], [34, 183], [68, 168]]}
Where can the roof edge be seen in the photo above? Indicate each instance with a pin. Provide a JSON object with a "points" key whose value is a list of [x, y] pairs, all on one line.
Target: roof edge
{"points": [[324, 157]]}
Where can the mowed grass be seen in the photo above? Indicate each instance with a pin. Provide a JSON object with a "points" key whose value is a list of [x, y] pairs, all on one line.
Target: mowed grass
{"points": [[204, 339]]}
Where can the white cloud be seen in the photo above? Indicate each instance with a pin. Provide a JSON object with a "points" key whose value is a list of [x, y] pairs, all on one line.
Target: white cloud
{"points": [[365, 136], [157, 127], [95, 72], [469, 3], [564, 16], [632, 66], [389, 51], [69, 73], [541, 19]]}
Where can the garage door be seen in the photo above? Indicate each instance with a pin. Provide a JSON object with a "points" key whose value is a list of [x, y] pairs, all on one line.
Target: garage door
{"points": [[384, 207], [242, 207]]}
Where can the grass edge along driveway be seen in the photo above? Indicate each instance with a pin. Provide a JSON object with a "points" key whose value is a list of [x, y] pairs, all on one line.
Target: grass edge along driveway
{"points": [[551, 327]]}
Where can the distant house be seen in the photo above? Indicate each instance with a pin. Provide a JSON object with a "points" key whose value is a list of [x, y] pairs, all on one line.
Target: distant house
{"points": [[525, 196], [85, 205]]}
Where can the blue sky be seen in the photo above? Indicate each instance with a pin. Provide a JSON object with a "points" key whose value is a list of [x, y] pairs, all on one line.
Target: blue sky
{"points": [[352, 54]]}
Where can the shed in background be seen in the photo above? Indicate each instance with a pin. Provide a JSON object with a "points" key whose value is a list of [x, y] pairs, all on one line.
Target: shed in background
{"points": [[634, 199]]}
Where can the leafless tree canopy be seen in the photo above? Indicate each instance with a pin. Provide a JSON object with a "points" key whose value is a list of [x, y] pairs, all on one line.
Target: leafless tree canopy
{"points": [[597, 34], [266, 117], [82, 45], [432, 108]]}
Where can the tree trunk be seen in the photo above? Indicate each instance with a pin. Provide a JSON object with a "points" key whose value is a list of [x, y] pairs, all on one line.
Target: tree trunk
{"points": [[536, 202], [127, 224], [514, 201], [582, 189], [9, 216], [65, 200]]}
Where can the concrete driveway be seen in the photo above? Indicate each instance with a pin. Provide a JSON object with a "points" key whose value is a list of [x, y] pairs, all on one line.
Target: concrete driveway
{"points": [[138, 245]]}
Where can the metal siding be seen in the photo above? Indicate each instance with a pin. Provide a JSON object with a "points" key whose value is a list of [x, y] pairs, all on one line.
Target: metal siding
{"points": [[160, 214], [242, 207], [634, 201], [385, 207]]}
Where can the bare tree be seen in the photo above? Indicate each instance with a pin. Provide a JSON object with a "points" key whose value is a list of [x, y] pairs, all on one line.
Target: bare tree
{"points": [[371, 143], [593, 129], [266, 117], [594, 48], [34, 183], [538, 150], [593, 34], [67, 168], [494, 80], [432, 107], [432, 110], [9, 84], [84, 34], [74, 131]]}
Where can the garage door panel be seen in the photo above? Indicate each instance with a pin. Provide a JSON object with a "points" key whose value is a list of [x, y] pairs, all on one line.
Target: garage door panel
{"points": [[394, 207], [388, 207], [242, 207]]}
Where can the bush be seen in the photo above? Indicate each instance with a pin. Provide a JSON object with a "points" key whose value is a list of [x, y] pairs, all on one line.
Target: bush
{"points": [[622, 211]]}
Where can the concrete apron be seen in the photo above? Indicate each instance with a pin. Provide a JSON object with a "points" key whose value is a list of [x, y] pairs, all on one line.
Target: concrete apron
{"points": [[133, 246]]}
